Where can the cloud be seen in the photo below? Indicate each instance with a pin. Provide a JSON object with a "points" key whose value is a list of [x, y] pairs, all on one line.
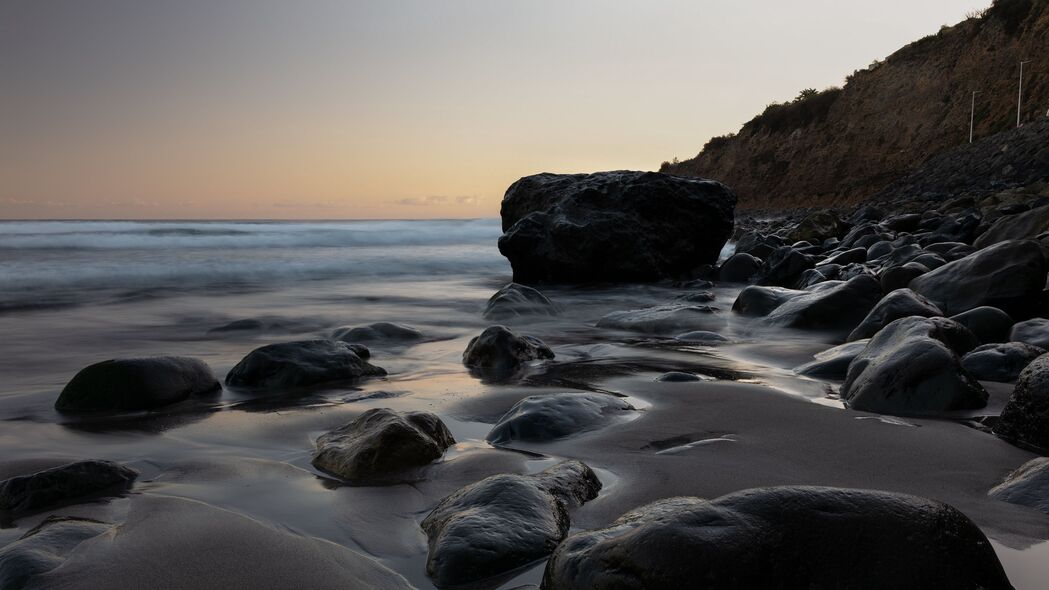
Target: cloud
{"points": [[308, 205], [435, 200]]}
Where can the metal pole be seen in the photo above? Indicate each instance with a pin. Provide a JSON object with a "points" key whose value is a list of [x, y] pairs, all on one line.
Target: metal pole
{"points": [[1020, 94], [972, 116]]}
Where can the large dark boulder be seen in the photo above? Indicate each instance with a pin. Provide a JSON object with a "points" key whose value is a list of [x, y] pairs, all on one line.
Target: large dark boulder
{"points": [[898, 304], [988, 324], [898, 277], [377, 332], [1025, 418], [1001, 362], [739, 268], [665, 319], [63, 485], [853, 256], [834, 362], [514, 301], [1009, 276], [784, 267], [838, 308], [382, 445], [1027, 486], [818, 226], [756, 301], [1034, 331], [912, 368], [1021, 226], [136, 384], [500, 351], [613, 226], [543, 418], [302, 364], [789, 537], [504, 522]]}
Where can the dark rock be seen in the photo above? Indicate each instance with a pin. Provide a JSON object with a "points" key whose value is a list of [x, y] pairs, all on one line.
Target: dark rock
{"points": [[929, 260], [911, 368], [838, 308], [378, 332], [833, 363], [44, 548], [382, 445], [678, 377], [831, 271], [1023, 226], [760, 301], [613, 226], [1034, 332], [789, 537], [863, 230], [246, 325], [898, 277], [942, 248], [500, 351], [851, 271], [301, 364], [856, 255], [757, 245], [739, 268], [701, 337], [504, 522], [898, 304], [988, 324], [1008, 275], [878, 249], [783, 267], [1025, 418], [867, 213], [664, 319], [543, 418], [907, 222], [136, 384], [818, 226], [696, 297], [809, 278], [61, 486], [1001, 362], [513, 301], [1027, 486], [867, 242]]}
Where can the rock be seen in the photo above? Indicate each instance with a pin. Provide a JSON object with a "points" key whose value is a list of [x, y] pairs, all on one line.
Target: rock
{"points": [[788, 537], [678, 377], [757, 245], [1009, 275], [381, 445], [1034, 332], [878, 249], [246, 325], [1027, 486], [929, 260], [818, 226], [834, 362], [500, 351], [1025, 418], [504, 522], [943, 248], [378, 332], [701, 337], [613, 226], [664, 319], [809, 278], [1001, 362], [302, 363], [856, 255], [988, 324], [739, 268], [696, 297], [783, 267], [863, 230], [1022, 226], [61, 486], [835, 309], [898, 304], [543, 418], [514, 301], [44, 548], [907, 222], [758, 301], [911, 368], [136, 384]]}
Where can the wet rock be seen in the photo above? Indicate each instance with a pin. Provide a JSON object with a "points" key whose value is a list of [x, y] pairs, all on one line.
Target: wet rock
{"points": [[61, 486], [839, 308], [1034, 332], [930, 261], [696, 297], [498, 350], [1027, 486], [136, 384], [543, 418], [863, 230], [834, 362], [678, 377], [1022, 226], [758, 301], [789, 537], [44, 548], [701, 337], [382, 445], [664, 319], [911, 368], [988, 324], [1009, 276], [613, 226], [504, 522], [758, 245], [739, 268], [908, 222], [378, 332], [878, 249], [514, 301], [302, 363], [1000, 362], [853, 256], [898, 304], [1025, 418], [783, 267], [818, 226], [809, 278]]}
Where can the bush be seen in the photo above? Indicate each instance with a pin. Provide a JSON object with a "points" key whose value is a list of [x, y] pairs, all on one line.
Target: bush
{"points": [[809, 107]]}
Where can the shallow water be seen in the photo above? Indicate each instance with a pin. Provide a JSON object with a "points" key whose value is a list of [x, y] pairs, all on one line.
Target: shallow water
{"points": [[75, 293]]}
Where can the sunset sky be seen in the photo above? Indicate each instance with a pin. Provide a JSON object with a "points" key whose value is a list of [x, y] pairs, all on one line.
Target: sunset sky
{"points": [[392, 108]]}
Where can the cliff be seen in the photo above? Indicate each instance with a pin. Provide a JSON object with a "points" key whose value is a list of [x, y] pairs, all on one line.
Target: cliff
{"points": [[844, 145]]}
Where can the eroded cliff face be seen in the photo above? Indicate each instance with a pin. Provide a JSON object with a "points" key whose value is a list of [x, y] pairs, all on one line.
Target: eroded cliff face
{"points": [[844, 145]]}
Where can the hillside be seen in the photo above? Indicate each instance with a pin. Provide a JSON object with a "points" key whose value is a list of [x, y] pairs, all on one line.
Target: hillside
{"points": [[843, 145]]}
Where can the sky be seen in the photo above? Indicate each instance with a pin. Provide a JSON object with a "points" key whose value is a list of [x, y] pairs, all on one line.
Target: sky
{"points": [[341, 109]]}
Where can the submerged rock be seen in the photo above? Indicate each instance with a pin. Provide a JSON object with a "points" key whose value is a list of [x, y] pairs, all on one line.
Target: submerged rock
{"points": [[543, 418], [702, 337], [613, 226], [1034, 332], [498, 350], [834, 362], [136, 384], [513, 301], [1027, 486], [504, 522], [1025, 418], [665, 319], [1001, 362], [63, 485], [898, 304], [988, 324], [301, 364], [837, 308], [789, 537], [378, 332], [911, 368], [381, 444]]}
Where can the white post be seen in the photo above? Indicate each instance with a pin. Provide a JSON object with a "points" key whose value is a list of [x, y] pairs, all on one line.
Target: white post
{"points": [[972, 116], [1020, 94]]}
